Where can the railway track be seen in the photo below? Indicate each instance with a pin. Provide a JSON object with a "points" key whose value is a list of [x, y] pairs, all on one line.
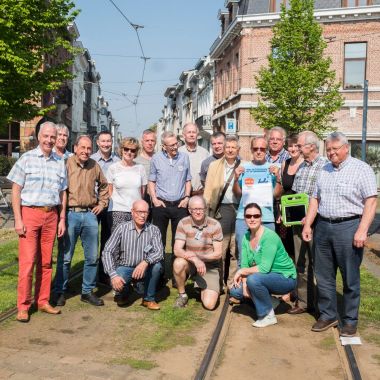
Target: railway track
{"points": [[207, 366], [12, 311]]}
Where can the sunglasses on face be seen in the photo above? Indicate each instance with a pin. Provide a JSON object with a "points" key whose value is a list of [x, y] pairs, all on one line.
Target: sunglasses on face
{"points": [[259, 149], [129, 150], [254, 216]]}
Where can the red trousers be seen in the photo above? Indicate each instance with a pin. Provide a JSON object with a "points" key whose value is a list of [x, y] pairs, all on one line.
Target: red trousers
{"points": [[36, 247]]}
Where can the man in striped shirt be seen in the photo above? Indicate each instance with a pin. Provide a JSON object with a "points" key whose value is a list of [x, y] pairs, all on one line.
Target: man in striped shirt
{"points": [[198, 250], [38, 191], [133, 252]]}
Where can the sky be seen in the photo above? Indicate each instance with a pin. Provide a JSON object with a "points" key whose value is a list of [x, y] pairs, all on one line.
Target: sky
{"points": [[175, 35]]}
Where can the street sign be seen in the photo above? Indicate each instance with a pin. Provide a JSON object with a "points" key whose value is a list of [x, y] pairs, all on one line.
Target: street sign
{"points": [[231, 127]]}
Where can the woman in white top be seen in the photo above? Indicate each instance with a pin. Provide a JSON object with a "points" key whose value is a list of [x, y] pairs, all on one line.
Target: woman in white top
{"points": [[126, 183]]}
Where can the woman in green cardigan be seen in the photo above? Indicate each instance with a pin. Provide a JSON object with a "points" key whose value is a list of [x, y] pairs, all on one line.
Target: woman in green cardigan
{"points": [[265, 268]]}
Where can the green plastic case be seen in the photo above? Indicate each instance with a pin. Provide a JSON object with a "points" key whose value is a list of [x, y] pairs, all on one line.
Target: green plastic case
{"points": [[294, 208]]}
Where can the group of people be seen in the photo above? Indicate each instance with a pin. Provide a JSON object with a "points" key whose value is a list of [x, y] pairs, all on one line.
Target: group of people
{"points": [[227, 232]]}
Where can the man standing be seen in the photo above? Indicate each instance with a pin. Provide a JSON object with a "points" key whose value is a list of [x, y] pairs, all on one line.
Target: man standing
{"points": [[198, 250], [217, 145], [196, 155], [62, 139], [105, 158], [148, 143], [169, 185], [304, 182], [222, 203], [345, 199], [134, 251], [276, 152], [84, 177], [38, 190]]}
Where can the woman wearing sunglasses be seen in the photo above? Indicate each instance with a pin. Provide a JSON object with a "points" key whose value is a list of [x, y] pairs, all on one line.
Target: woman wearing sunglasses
{"points": [[126, 183], [266, 268]]}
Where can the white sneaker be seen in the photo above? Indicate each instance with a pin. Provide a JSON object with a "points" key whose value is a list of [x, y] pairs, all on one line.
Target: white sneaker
{"points": [[266, 321]]}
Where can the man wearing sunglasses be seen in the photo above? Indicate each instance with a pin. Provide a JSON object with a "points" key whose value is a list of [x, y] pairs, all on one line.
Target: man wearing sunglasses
{"points": [[169, 185], [254, 183], [345, 199]]}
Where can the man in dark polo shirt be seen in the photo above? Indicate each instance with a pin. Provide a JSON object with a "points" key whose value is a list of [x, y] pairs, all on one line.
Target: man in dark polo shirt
{"points": [[198, 250], [84, 176]]}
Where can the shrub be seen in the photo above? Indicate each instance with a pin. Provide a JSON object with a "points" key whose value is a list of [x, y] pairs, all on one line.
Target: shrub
{"points": [[6, 164]]}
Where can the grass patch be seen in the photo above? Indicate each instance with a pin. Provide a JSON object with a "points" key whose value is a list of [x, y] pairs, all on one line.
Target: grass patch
{"points": [[135, 363], [327, 343], [9, 276]]}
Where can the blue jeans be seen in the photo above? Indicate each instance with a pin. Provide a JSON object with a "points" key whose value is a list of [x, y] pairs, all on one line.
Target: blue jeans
{"points": [[240, 230], [85, 226], [333, 250], [151, 278], [261, 285]]}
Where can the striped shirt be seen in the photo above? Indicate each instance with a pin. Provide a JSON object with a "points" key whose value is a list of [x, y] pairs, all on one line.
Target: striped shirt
{"points": [[127, 247], [170, 175], [307, 174], [341, 191], [199, 239], [105, 164], [282, 156], [42, 179]]}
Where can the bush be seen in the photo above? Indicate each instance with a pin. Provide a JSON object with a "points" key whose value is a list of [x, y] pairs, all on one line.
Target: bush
{"points": [[6, 164]]}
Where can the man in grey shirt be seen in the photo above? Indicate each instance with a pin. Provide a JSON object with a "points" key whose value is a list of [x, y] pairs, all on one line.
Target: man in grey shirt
{"points": [[134, 252]]}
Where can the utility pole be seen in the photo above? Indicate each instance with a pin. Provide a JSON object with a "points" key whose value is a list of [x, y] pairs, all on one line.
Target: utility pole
{"points": [[364, 129]]}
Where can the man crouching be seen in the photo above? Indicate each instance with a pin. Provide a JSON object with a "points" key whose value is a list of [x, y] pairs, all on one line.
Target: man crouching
{"points": [[134, 251], [198, 250]]}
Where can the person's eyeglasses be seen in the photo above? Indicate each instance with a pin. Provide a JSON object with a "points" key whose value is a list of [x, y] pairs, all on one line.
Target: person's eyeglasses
{"points": [[129, 150], [171, 146], [299, 146], [333, 150], [254, 216], [196, 209], [141, 213], [259, 149], [276, 139]]}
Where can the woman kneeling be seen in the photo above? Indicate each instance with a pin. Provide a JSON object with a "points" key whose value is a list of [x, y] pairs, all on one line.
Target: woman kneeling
{"points": [[265, 268]]}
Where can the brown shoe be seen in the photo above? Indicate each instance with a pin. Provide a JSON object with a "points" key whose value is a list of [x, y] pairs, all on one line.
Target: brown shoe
{"points": [[22, 316], [348, 330], [296, 310], [151, 305], [322, 325], [234, 301], [47, 308]]}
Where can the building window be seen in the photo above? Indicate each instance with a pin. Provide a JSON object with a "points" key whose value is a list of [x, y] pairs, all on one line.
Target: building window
{"points": [[355, 59], [276, 5], [356, 3]]}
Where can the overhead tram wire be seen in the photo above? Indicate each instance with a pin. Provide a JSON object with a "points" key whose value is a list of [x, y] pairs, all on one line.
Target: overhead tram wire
{"points": [[136, 28]]}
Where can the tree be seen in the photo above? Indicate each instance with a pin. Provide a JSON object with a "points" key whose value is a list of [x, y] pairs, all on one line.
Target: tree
{"points": [[297, 89], [31, 31]]}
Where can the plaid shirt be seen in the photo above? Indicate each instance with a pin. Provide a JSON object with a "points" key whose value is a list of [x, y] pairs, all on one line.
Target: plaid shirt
{"points": [[42, 179], [283, 156], [307, 175], [341, 191]]}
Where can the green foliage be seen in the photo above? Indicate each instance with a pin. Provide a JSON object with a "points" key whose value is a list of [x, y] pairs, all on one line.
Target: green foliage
{"points": [[30, 32], [297, 89], [372, 155], [6, 164]]}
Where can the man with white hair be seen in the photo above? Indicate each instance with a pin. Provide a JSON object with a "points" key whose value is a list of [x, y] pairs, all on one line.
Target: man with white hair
{"points": [[304, 182], [198, 250], [276, 152], [59, 149], [197, 155], [38, 201], [345, 199]]}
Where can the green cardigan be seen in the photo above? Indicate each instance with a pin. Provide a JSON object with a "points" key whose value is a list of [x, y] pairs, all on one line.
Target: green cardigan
{"points": [[270, 255]]}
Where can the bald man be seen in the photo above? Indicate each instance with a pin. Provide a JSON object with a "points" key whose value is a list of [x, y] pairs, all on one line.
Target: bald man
{"points": [[135, 252]]}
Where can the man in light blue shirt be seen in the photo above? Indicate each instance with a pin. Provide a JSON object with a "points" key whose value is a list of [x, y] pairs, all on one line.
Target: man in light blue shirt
{"points": [[169, 185]]}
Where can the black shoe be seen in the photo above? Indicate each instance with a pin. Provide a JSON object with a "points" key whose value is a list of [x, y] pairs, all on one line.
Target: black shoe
{"points": [[60, 300], [92, 299]]}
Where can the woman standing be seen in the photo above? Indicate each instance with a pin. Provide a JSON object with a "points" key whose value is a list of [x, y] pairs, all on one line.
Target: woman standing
{"points": [[126, 183], [265, 268]]}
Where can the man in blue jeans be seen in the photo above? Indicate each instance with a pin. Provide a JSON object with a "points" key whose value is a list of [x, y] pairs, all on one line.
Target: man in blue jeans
{"points": [[134, 252], [84, 204]]}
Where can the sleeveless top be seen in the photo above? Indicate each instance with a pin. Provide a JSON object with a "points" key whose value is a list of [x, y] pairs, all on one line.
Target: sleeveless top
{"points": [[287, 179]]}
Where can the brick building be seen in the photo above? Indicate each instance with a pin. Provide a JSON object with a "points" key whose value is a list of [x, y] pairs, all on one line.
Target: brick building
{"points": [[352, 30]]}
